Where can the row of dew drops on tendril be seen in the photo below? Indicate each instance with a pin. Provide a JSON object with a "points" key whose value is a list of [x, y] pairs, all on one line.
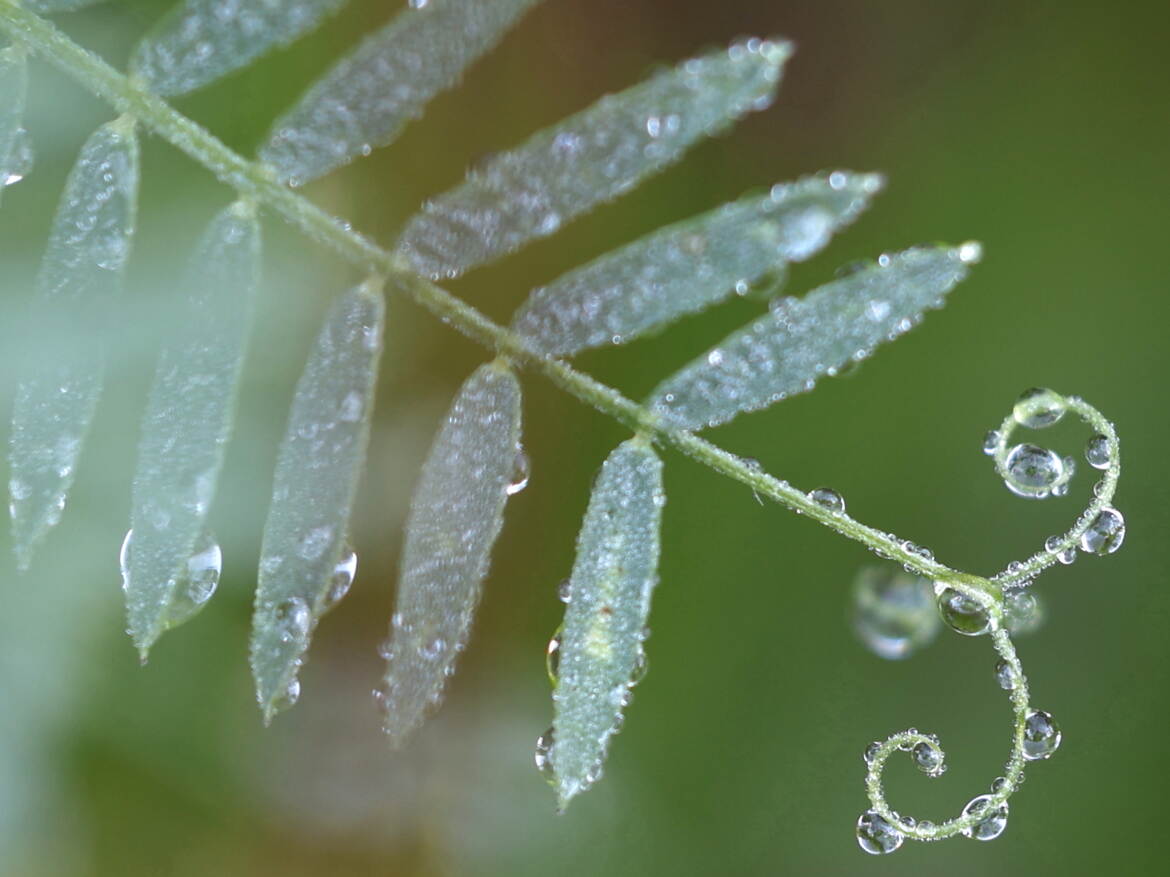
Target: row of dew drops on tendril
{"points": [[896, 614]]}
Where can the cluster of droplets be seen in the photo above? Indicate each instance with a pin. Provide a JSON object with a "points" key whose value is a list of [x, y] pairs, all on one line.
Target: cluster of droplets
{"points": [[972, 606], [1035, 472]]}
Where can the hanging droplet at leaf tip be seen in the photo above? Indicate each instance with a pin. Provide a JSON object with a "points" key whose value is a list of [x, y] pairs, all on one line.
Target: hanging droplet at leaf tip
{"points": [[970, 252]]}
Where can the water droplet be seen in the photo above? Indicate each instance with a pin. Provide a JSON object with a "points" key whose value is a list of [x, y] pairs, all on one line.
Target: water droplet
{"points": [[294, 619], [432, 649], [1105, 534], [21, 158], [970, 252], [343, 575], [552, 657], [926, 826], [828, 498], [1005, 675], [565, 590], [998, 784], [994, 819], [1041, 735], [1023, 611], [197, 584], [1068, 555], [875, 835], [894, 614], [1033, 471], [871, 752], [542, 757], [928, 758], [963, 614], [641, 667], [521, 469], [289, 697], [991, 441], [1097, 452], [1038, 408]]}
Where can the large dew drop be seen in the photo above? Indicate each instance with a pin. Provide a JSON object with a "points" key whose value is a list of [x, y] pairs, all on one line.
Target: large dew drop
{"points": [[1105, 534], [1098, 452], [928, 758], [1041, 735], [1035, 472], [994, 818], [963, 614], [827, 498], [876, 836], [1038, 408], [894, 613]]}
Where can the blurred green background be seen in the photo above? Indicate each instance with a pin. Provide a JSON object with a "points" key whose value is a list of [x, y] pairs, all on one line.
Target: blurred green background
{"points": [[1038, 128]]}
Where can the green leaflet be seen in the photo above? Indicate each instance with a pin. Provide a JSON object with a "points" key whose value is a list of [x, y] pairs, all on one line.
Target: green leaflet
{"points": [[788, 349], [456, 514], [605, 623], [369, 96], [200, 41], [589, 158], [690, 265], [80, 277], [15, 146], [185, 429], [305, 564]]}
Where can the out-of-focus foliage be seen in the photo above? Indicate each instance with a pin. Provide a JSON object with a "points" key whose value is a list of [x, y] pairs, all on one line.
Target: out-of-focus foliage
{"points": [[1035, 131]]}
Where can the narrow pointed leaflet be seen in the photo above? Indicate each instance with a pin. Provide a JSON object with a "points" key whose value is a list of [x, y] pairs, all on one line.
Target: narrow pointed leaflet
{"points": [[200, 41], [601, 653], [591, 157], [186, 427], [690, 265], [15, 145], [366, 99], [79, 281], [456, 513], [306, 564], [802, 339]]}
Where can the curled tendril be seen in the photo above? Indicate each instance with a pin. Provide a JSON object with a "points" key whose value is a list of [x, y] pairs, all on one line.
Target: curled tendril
{"points": [[1104, 452], [1035, 735]]}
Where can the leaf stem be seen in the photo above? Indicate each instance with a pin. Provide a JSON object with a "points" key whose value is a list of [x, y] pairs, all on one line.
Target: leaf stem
{"points": [[257, 183]]}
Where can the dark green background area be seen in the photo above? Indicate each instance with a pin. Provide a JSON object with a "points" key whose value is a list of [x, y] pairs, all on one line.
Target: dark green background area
{"points": [[1038, 128]]}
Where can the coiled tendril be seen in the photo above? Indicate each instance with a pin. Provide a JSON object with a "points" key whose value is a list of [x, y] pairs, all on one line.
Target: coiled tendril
{"points": [[973, 606]]}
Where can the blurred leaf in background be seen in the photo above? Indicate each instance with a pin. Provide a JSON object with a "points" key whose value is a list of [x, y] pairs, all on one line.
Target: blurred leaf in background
{"points": [[1037, 128]]}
